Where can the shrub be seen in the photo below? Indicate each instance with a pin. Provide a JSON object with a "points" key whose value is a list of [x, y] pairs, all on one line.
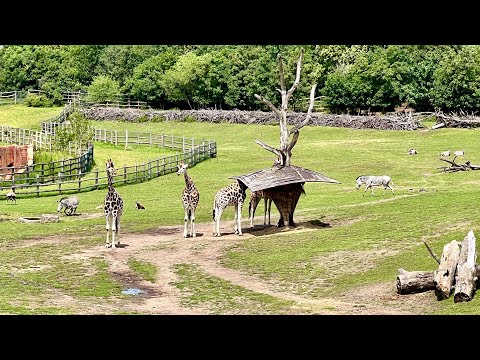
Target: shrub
{"points": [[33, 100]]}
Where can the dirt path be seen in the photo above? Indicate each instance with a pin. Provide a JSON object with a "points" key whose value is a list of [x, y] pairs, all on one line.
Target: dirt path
{"points": [[165, 247]]}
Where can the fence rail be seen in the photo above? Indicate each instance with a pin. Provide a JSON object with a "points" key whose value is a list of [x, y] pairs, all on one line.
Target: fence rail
{"points": [[71, 175]]}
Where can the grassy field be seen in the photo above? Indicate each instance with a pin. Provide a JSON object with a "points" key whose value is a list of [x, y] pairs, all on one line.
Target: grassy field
{"points": [[353, 240]]}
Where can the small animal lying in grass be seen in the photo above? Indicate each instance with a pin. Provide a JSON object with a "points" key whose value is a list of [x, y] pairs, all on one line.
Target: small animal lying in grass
{"points": [[445, 153], [459, 153], [138, 205], [412, 151]]}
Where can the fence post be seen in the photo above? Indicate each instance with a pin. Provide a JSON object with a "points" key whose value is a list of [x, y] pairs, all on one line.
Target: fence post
{"points": [[59, 186], [96, 178], [79, 180], [126, 138], [124, 174], [38, 187]]}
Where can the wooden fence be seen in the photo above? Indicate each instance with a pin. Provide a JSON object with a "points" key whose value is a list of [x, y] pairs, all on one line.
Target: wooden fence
{"points": [[8, 97], [71, 175]]}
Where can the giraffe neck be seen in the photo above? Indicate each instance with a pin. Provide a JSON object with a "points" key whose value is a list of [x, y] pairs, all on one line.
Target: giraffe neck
{"points": [[188, 181], [111, 189]]}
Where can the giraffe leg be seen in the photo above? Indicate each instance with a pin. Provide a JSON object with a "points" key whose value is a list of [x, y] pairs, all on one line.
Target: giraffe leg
{"points": [[265, 211], [236, 219], [117, 228], [185, 224], [239, 218], [192, 224], [114, 230], [107, 244], [216, 224]]}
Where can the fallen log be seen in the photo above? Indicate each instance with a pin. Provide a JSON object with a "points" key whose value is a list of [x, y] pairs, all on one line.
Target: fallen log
{"points": [[411, 282], [414, 281], [466, 280], [458, 167], [444, 276]]}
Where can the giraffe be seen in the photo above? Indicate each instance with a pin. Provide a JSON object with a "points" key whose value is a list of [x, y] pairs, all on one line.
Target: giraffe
{"points": [[255, 197], [113, 206], [190, 198], [233, 194]]}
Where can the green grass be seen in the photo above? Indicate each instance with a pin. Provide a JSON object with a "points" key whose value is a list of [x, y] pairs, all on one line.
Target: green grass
{"points": [[222, 296], [365, 243], [144, 269], [22, 116]]}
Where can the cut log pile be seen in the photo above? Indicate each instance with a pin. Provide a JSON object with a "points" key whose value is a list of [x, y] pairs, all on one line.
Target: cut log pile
{"points": [[457, 273], [458, 167], [462, 120], [400, 121]]}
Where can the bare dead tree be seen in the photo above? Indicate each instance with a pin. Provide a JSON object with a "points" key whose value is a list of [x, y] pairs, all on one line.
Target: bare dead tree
{"points": [[284, 152]]}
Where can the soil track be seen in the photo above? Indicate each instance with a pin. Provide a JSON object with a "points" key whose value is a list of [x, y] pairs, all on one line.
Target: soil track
{"points": [[165, 247]]}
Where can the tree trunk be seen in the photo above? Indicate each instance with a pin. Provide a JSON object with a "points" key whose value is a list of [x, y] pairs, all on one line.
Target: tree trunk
{"points": [[466, 273], [445, 275], [285, 198], [414, 281], [410, 282]]}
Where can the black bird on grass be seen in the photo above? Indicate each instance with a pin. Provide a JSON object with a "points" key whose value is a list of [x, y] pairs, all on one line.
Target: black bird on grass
{"points": [[138, 205]]}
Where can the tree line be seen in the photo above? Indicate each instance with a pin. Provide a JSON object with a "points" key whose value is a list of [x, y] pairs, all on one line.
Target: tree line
{"points": [[349, 78]]}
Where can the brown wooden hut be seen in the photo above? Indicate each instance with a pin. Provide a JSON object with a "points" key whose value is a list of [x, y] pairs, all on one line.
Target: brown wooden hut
{"points": [[284, 185]]}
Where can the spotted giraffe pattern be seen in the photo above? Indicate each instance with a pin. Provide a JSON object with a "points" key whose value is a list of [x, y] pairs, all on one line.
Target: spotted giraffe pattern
{"points": [[233, 194], [255, 197], [113, 206], [190, 198]]}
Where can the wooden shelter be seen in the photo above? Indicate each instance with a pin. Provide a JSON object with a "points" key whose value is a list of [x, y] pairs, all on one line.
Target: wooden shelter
{"points": [[284, 185]]}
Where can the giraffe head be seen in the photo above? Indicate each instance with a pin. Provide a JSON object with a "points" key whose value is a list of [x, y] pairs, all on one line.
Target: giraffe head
{"points": [[182, 167], [110, 168]]}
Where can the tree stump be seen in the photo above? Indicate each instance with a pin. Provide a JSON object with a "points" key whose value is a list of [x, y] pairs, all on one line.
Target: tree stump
{"points": [[445, 275], [466, 279]]}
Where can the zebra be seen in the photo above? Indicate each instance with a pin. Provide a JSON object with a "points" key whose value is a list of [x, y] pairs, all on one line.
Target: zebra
{"points": [[69, 203], [371, 180]]}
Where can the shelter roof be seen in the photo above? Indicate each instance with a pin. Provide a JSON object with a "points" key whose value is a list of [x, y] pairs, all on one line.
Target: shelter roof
{"points": [[278, 176]]}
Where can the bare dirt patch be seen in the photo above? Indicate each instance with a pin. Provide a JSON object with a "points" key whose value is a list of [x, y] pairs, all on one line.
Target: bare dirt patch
{"points": [[165, 247]]}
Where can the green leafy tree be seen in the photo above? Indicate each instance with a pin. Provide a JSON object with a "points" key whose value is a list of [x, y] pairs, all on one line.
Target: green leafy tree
{"points": [[456, 84], [183, 82], [102, 89], [146, 82], [78, 133]]}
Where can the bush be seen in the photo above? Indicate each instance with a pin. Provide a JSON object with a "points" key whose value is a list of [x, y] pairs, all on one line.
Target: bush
{"points": [[33, 100]]}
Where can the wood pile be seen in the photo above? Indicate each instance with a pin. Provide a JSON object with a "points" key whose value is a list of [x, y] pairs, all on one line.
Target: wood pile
{"points": [[400, 121], [462, 120], [458, 167], [457, 273]]}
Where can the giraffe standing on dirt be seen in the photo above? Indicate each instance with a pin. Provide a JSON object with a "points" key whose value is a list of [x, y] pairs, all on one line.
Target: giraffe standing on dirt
{"points": [[233, 194], [113, 206], [190, 198], [255, 197]]}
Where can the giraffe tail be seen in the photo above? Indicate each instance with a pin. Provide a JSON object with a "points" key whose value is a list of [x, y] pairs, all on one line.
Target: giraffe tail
{"points": [[189, 214]]}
